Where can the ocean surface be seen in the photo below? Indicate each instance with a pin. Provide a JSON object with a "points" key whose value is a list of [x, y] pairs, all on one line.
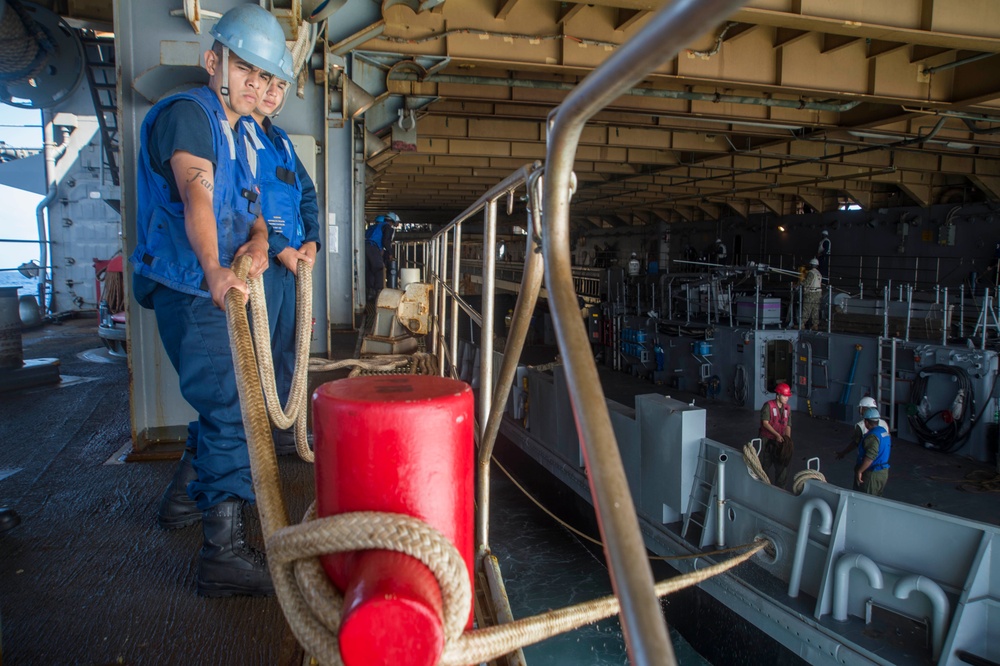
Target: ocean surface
{"points": [[544, 567], [15, 279]]}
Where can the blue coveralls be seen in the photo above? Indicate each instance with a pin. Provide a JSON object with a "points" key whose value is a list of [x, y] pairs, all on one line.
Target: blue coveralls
{"points": [[169, 279], [378, 240], [288, 200]]}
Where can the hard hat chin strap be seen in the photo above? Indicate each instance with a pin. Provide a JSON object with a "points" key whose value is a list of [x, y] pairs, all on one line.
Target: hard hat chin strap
{"points": [[224, 90], [284, 97]]}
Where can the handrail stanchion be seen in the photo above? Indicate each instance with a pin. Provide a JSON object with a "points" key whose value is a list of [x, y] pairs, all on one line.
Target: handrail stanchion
{"points": [[431, 276], [455, 277], [527, 297], [656, 44], [443, 265], [489, 306]]}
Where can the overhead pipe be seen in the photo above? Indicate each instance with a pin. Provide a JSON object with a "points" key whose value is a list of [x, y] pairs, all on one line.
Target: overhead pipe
{"points": [[715, 98], [842, 580], [958, 63], [805, 521], [939, 605], [809, 160], [645, 631]]}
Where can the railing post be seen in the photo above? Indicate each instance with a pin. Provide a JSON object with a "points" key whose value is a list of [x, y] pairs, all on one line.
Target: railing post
{"points": [[645, 631], [443, 263], [455, 279], [489, 307]]}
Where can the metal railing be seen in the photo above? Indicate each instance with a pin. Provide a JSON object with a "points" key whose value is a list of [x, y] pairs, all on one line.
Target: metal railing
{"points": [[644, 628], [446, 278], [655, 45]]}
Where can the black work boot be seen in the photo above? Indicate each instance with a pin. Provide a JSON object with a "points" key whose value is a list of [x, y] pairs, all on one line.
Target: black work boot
{"points": [[228, 566], [177, 509]]}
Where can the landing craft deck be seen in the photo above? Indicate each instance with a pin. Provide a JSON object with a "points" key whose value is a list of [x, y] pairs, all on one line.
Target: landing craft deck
{"points": [[927, 591]]}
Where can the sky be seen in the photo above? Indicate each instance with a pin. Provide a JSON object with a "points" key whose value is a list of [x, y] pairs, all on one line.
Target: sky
{"points": [[19, 128]]}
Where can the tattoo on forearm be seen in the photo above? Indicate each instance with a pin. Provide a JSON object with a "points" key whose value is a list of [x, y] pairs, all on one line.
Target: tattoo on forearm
{"points": [[198, 175]]}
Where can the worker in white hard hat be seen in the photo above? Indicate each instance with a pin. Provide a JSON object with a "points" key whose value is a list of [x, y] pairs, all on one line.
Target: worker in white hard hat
{"points": [[811, 293], [634, 267], [720, 252], [860, 428], [871, 467], [823, 254]]}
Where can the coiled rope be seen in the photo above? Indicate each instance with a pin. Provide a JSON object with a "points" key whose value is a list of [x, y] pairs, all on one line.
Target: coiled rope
{"points": [[312, 606], [27, 46], [800, 478], [416, 363], [757, 471], [753, 464]]}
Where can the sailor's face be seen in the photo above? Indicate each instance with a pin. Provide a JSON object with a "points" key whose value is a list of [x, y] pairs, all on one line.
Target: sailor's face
{"points": [[246, 85], [273, 96]]}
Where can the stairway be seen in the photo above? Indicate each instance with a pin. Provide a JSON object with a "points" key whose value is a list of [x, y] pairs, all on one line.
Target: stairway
{"points": [[99, 53], [699, 508]]}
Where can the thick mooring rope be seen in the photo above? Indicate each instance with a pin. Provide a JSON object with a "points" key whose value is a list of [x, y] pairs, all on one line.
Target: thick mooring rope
{"points": [[753, 463], [312, 606], [757, 471], [295, 412], [800, 478]]}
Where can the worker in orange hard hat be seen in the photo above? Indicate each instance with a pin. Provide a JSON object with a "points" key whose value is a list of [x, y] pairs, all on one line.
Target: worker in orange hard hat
{"points": [[776, 431]]}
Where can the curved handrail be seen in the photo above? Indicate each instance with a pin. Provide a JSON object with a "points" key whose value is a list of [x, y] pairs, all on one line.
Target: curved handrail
{"points": [[939, 605], [842, 577], [631, 577], [805, 521]]}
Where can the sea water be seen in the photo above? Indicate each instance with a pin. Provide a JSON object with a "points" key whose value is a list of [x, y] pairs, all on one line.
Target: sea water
{"points": [[544, 567]]}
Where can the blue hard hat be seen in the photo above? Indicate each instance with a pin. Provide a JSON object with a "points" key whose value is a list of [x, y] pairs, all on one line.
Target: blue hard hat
{"points": [[288, 66], [379, 219], [871, 414], [252, 33]]}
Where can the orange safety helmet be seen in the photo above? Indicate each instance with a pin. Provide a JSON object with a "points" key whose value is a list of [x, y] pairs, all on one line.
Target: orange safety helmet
{"points": [[783, 389]]}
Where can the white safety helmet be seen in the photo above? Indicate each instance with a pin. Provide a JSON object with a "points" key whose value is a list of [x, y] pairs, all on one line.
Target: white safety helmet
{"points": [[867, 402], [814, 262], [633, 255], [718, 240], [393, 217], [826, 233]]}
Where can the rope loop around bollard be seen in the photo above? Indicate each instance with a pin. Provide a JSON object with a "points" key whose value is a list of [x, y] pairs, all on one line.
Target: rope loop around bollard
{"points": [[370, 530], [310, 602]]}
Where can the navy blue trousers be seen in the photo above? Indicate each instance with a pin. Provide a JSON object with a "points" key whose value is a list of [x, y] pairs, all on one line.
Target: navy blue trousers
{"points": [[196, 338], [279, 292]]}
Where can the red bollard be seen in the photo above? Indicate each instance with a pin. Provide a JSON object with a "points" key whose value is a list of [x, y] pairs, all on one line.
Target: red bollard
{"points": [[395, 444]]}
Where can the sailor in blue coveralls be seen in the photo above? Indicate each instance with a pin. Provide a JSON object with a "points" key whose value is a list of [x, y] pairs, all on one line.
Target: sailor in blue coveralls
{"points": [[378, 252], [197, 211], [288, 199]]}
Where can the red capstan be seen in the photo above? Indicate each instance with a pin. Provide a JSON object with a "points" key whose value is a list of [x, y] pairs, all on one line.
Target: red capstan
{"points": [[394, 444]]}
